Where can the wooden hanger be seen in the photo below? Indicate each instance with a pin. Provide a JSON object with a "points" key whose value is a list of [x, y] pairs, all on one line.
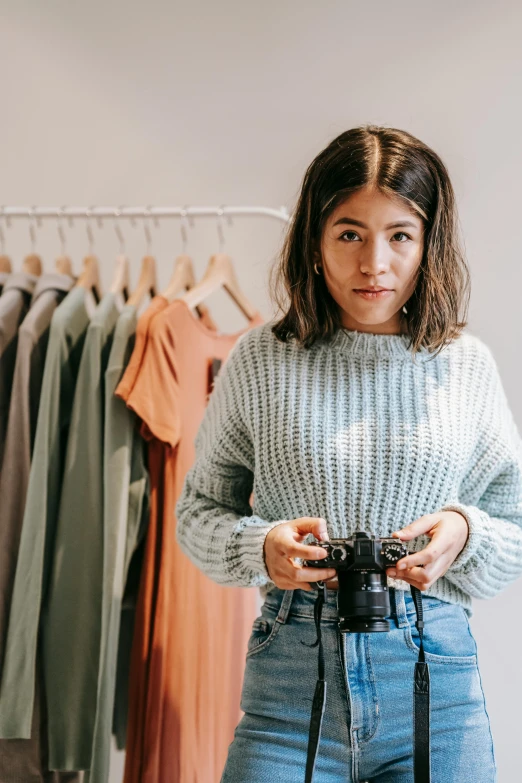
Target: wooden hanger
{"points": [[90, 277], [32, 265], [121, 279], [63, 265], [5, 264], [182, 278], [147, 282], [220, 274]]}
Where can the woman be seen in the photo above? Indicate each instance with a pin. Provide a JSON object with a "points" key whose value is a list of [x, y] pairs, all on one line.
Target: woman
{"points": [[370, 412]]}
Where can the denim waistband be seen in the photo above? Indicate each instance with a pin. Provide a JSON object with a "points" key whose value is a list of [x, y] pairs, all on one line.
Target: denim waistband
{"points": [[300, 603]]}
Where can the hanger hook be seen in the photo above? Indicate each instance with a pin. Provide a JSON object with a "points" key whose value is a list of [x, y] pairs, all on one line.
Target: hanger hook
{"points": [[183, 227], [146, 227], [61, 232], [221, 235], [33, 222], [88, 226], [6, 218], [119, 234]]}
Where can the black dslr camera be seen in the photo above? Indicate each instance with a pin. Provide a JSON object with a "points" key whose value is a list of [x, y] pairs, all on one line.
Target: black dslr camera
{"points": [[363, 600]]}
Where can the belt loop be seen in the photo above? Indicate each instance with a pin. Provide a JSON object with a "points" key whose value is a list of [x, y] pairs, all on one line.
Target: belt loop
{"points": [[400, 608], [284, 609]]}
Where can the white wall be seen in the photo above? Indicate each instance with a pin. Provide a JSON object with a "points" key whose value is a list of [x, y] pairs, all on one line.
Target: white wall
{"points": [[206, 103]]}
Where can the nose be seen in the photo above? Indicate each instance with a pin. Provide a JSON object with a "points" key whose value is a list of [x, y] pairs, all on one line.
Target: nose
{"points": [[375, 258]]}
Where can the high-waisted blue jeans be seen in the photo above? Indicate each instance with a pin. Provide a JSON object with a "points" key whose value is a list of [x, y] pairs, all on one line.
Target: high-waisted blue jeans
{"points": [[367, 730]]}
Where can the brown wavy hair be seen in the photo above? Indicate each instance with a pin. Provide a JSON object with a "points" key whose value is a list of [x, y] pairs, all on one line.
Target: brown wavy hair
{"points": [[398, 164]]}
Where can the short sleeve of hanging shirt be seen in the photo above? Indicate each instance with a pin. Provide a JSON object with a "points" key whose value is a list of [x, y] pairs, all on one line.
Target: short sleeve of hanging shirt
{"points": [[128, 379], [154, 396]]}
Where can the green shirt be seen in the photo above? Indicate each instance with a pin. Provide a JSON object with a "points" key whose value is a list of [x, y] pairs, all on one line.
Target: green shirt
{"points": [[25, 760], [68, 328], [124, 509], [14, 304], [71, 632], [33, 337]]}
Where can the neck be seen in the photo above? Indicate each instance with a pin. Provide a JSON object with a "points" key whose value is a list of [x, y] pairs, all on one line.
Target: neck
{"points": [[389, 327]]}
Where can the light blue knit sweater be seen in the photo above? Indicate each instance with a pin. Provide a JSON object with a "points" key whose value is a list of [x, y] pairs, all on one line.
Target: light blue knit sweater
{"points": [[355, 432]]}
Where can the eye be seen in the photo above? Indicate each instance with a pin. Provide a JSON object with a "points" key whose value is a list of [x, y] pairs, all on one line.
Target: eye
{"points": [[347, 232], [399, 233]]}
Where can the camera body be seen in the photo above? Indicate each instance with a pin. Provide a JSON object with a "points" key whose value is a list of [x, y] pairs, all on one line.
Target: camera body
{"points": [[363, 600], [362, 552]]}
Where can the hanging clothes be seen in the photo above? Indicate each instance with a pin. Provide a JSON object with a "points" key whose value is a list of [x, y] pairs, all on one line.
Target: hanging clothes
{"points": [[33, 337], [3, 279], [26, 759], [125, 514], [145, 608], [17, 689], [191, 634], [147, 591], [14, 304], [71, 631]]}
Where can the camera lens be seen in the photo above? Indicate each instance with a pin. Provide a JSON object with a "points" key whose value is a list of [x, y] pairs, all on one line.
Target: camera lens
{"points": [[363, 601]]}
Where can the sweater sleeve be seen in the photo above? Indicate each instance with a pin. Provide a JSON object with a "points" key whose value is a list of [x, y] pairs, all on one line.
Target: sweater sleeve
{"points": [[216, 528], [490, 498]]}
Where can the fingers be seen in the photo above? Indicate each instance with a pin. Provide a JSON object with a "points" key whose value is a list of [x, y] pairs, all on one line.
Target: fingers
{"points": [[305, 551], [422, 578], [290, 576], [421, 525], [315, 525], [285, 546], [430, 554], [313, 574], [288, 544]]}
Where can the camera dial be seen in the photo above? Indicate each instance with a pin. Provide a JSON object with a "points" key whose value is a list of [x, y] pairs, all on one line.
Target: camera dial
{"points": [[338, 553], [392, 553]]}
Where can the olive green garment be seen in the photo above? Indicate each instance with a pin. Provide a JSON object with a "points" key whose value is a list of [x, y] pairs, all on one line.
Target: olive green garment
{"points": [[128, 616], [14, 304], [71, 628], [125, 488], [33, 336], [3, 279], [25, 759], [66, 338]]}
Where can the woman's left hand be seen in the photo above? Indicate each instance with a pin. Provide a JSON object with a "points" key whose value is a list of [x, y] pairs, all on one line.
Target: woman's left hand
{"points": [[448, 531]]}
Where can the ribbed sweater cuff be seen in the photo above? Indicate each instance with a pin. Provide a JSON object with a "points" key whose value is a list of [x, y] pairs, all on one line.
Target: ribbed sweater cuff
{"points": [[245, 551], [479, 547]]}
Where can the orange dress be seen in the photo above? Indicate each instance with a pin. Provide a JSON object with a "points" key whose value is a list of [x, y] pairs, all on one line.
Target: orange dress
{"points": [[191, 633]]}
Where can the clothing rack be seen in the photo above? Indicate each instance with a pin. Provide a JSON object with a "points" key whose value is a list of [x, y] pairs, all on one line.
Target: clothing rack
{"points": [[36, 213]]}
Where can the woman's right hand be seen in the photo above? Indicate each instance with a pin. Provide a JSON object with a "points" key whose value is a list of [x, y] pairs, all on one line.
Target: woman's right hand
{"points": [[283, 543]]}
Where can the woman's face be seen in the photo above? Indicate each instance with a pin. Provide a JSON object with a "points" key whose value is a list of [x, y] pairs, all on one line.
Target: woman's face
{"points": [[361, 248]]}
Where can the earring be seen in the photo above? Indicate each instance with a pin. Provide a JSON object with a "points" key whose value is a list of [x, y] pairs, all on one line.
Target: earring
{"points": [[316, 270]]}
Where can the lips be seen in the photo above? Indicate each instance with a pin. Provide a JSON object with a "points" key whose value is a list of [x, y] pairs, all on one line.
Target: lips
{"points": [[372, 295]]}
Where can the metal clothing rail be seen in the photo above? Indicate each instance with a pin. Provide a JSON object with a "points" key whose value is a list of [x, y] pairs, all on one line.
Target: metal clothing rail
{"points": [[37, 213]]}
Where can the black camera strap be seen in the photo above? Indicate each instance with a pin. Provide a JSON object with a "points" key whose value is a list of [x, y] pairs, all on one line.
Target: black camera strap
{"points": [[421, 703], [319, 702]]}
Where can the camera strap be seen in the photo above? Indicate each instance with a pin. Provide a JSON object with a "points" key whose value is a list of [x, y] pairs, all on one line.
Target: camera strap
{"points": [[319, 702], [421, 702]]}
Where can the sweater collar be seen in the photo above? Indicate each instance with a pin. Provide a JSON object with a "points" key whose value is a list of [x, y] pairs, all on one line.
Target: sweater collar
{"points": [[369, 344]]}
